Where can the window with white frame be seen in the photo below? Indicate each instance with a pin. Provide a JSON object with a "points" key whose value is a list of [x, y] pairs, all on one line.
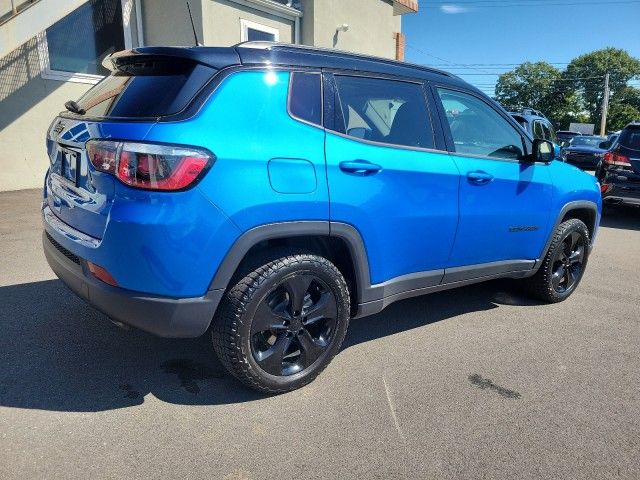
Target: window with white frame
{"points": [[73, 48], [256, 32]]}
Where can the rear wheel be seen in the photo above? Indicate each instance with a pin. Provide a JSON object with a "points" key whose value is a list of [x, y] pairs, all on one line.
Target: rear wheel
{"points": [[282, 324], [563, 265]]}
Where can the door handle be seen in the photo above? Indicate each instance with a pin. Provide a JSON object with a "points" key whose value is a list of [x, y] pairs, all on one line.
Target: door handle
{"points": [[479, 177], [360, 167]]}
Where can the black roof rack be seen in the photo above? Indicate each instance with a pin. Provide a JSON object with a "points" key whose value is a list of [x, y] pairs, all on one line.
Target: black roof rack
{"points": [[338, 54]]}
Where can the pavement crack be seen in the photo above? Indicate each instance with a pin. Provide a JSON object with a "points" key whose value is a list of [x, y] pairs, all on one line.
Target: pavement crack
{"points": [[392, 408]]}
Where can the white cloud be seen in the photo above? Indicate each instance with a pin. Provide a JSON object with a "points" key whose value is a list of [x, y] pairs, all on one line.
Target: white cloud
{"points": [[453, 9]]}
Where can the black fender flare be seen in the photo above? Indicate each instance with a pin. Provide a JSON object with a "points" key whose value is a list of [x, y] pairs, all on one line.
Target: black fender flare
{"points": [[280, 230], [568, 207]]}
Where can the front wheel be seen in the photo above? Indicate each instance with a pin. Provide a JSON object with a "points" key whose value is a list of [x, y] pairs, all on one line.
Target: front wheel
{"points": [[563, 265], [282, 324]]}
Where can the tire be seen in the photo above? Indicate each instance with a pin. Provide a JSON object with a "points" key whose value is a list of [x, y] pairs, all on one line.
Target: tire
{"points": [[281, 324], [563, 265]]}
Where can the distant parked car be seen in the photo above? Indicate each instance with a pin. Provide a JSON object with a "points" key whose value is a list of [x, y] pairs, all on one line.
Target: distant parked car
{"points": [[584, 151], [619, 170], [537, 125], [565, 136], [611, 139]]}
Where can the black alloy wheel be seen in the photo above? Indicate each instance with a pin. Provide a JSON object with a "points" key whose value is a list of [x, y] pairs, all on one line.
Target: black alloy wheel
{"points": [[281, 324], [569, 263], [293, 325], [564, 263]]}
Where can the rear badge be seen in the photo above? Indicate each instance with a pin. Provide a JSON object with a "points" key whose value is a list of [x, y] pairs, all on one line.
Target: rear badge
{"points": [[525, 228], [58, 128]]}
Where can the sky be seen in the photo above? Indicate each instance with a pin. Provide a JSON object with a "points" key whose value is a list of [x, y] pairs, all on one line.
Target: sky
{"points": [[476, 38]]}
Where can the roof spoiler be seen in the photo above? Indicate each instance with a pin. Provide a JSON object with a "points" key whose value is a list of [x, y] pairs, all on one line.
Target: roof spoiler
{"points": [[212, 57]]}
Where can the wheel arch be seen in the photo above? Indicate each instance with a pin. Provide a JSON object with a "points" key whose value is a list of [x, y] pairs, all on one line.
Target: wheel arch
{"points": [[340, 243], [583, 210]]}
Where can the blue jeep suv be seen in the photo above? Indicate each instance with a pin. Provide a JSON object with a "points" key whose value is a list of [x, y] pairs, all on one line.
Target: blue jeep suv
{"points": [[270, 193]]}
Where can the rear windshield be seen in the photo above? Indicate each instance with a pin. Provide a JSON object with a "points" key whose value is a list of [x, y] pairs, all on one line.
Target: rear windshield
{"points": [[146, 89], [630, 138]]}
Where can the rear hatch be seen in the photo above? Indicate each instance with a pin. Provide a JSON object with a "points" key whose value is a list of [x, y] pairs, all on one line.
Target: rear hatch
{"points": [[141, 91], [628, 144]]}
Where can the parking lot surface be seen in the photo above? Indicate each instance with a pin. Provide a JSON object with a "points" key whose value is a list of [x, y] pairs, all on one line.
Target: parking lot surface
{"points": [[480, 382]]}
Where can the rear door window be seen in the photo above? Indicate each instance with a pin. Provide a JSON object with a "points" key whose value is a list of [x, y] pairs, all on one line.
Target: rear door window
{"points": [[380, 110], [147, 89]]}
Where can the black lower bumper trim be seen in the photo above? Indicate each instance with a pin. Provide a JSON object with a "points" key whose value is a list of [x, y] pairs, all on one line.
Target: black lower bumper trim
{"points": [[162, 316]]}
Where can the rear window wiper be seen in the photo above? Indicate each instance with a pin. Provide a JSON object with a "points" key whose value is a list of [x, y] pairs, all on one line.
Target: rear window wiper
{"points": [[73, 107]]}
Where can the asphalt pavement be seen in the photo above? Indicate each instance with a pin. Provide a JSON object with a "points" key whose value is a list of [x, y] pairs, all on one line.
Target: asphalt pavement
{"points": [[480, 382]]}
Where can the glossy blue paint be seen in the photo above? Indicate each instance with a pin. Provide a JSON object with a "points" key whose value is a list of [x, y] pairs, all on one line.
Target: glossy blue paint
{"points": [[416, 210], [406, 213], [517, 195], [570, 184], [292, 175], [246, 124], [86, 203]]}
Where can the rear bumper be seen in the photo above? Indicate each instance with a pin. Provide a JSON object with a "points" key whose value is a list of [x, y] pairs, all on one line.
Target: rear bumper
{"points": [[162, 316], [584, 163], [620, 192]]}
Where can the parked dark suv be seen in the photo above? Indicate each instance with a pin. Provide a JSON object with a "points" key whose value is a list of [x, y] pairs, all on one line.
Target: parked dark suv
{"points": [[274, 192], [619, 170]]}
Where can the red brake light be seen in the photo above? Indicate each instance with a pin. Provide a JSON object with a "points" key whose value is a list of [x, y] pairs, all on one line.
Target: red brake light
{"points": [[613, 158], [149, 166]]}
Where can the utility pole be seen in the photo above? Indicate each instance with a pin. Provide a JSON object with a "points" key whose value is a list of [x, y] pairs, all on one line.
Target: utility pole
{"points": [[605, 107]]}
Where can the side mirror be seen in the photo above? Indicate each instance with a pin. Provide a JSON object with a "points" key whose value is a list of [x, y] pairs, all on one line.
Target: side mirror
{"points": [[605, 145], [543, 151]]}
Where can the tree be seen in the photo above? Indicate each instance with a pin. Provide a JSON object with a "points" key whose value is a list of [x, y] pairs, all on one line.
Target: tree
{"points": [[587, 74], [527, 85], [624, 108], [541, 86]]}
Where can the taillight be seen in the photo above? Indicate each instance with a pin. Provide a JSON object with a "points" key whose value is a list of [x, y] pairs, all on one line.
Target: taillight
{"points": [[613, 158], [149, 166]]}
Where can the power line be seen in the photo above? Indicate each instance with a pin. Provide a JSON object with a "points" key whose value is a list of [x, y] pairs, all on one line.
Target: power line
{"points": [[494, 64], [510, 5], [528, 2], [436, 57]]}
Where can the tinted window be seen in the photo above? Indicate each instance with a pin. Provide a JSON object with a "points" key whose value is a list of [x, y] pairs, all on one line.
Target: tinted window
{"points": [[478, 129], [585, 141], [305, 97], [153, 91], [630, 138], [383, 111], [537, 130], [549, 133]]}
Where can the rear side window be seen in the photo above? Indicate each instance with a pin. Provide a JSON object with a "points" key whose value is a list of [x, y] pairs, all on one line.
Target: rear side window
{"points": [[382, 110], [305, 97], [147, 89]]}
